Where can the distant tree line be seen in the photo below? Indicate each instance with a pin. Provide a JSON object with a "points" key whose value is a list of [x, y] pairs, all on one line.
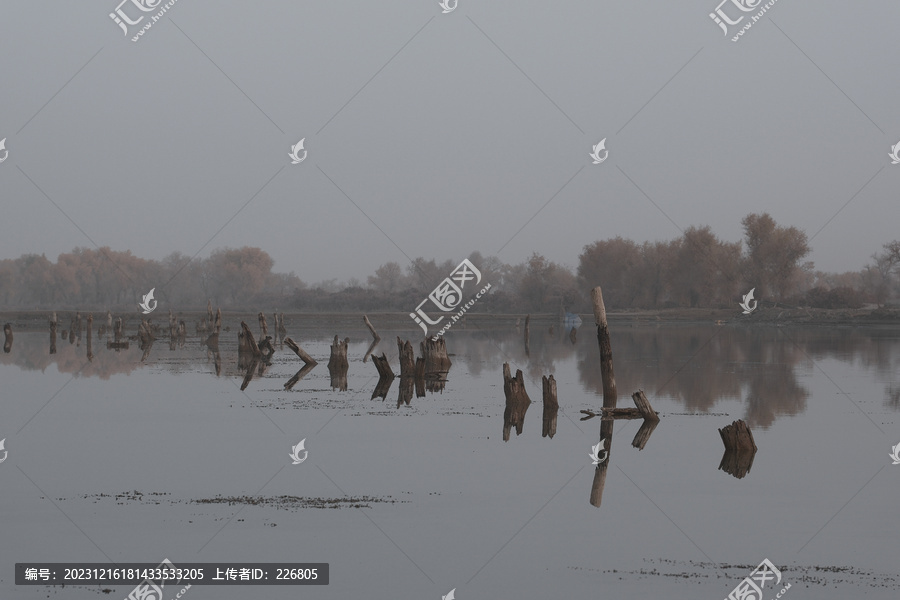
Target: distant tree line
{"points": [[696, 269]]}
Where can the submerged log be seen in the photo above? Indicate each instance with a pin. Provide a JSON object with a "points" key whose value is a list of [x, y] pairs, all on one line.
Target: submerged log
{"points": [[7, 331], [607, 372], [551, 406], [517, 402], [407, 358], [306, 358], [338, 357], [737, 437]]}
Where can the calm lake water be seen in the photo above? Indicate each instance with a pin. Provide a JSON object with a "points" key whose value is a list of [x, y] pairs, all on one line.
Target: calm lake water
{"points": [[111, 459]]}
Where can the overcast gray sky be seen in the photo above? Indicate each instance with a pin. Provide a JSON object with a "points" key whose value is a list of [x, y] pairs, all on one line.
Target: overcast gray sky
{"points": [[450, 131]]}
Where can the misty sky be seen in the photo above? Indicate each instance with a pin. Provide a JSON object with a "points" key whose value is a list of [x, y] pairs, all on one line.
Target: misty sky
{"points": [[450, 131]]}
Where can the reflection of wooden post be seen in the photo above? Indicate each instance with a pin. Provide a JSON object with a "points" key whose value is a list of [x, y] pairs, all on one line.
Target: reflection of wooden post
{"points": [[517, 401], [338, 353], [109, 323], [606, 362], [643, 434], [573, 335], [306, 358], [551, 406], [385, 376], [7, 331], [420, 377], [299, 375], [737, 437], [527, 320], [90, 326], [53, 322], [218, 320], [606, 433], [338, 376]]}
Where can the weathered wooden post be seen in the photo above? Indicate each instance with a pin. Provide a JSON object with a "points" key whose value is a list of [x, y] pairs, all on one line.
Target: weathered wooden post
{"points": [[306, 358], [435, 354], [247, 341], [738, 437], [606, 362], [551, 406], [740, 448], [407, 358], [517, 402], [209, 315], [218, 325], [338, 353], [7, 331]]}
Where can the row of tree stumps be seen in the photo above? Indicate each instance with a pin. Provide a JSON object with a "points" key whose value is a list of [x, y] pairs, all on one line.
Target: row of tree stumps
{"points": [[427, 373]]}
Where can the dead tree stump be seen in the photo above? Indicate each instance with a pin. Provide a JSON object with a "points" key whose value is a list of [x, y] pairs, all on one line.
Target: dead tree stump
{"points": [[607, 372], [517, 402], [263, 326], [7, 331], [306, 358], [407, 358], [435, 354], [246, 341], [338, 357], [420, 377], [643, 405], [737, 437], [382, 366]]}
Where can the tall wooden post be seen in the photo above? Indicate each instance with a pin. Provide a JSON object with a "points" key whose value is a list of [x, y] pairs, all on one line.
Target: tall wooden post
{"points": [[606, 361]]}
